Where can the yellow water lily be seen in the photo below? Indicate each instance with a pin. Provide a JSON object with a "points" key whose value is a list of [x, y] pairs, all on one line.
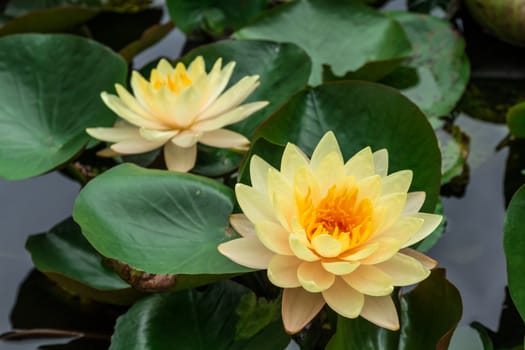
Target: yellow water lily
{"points": [[177, 108], [332, 232]]}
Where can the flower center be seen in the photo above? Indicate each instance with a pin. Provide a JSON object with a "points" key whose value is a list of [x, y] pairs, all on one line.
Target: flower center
{"points": [[176, 80], [338, 215]]}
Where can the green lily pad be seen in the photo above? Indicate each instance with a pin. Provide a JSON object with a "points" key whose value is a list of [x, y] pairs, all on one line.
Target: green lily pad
{"points": [[192, 320], [214, 16], [516, 120], [345, 35], [159, 222], [428, 314], [514, 244], [49, 99], [437, 74], [66, 257], [362, 114]]}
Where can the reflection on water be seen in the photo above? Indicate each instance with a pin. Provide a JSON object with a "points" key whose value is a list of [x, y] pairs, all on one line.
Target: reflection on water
{"points": [[472, 247]]}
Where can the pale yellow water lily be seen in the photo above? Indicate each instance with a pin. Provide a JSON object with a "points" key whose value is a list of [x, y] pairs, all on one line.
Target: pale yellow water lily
{"points": [[177, 108], [331, 232]]}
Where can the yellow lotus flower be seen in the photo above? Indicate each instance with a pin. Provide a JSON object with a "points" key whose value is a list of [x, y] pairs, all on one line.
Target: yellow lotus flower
{"points": [[177, 108], [332, 232]]}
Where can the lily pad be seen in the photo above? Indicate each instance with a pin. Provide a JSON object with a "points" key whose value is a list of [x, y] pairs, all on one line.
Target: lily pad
{"points": [[362, 114], [428, 314], [66, 257], [353, 35], [49, 99], [214, 16], [161, 222], [514, 243], [192, 320], [437, 74]]}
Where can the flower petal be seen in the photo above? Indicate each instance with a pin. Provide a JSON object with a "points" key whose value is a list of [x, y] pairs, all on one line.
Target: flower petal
{"points": [[426, 261], [369, 280], [223, 138], [381, 162], [230, 117], [339, 267], [132, 103], [114, 134], [404, 270], [147, 99], [196, 68], [300, 248], [273, 236], [242, 225], [135, 146], [403, 229], [292, 160], [299, 307], [387, 248], [231, 98], [184, 107], [247, 251], [216, 81], [361, 165], [396, 182], [328, 144], [431, 222], [369, 187], [329, 171], [116, 105], [327, 246], [186, 138], [259, 173], [392, 205], [282, 198], [313, 277], [179, 158], [381, 311], [306, 184], [360, 252], [282, 271], [414, 203], [254, 204], [343, 299], [157, 135]]}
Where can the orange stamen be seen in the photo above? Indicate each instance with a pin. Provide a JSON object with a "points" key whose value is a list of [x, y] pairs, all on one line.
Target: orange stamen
{"points": [[337, 214]]}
